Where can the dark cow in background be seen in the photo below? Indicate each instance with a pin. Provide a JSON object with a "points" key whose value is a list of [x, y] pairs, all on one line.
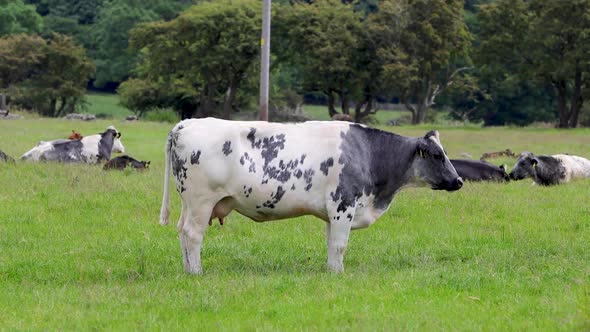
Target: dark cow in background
{"points": [[476, 170], [90, 149], [5, 158], [122, 162], [345, 174], [550, 170]]}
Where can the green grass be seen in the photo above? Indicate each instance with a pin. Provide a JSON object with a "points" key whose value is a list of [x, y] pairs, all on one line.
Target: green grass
{"points": [[81, 249], [106, 104]]}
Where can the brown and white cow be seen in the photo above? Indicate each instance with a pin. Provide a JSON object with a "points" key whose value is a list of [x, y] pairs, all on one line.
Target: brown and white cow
{"points": [[345, 174]]}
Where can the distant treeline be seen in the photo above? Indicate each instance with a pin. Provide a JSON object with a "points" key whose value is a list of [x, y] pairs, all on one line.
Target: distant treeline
{"points": [[497, 62]]}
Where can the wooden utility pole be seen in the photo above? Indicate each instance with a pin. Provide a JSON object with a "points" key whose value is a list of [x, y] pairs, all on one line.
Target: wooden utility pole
{"points": [[264, 60]]}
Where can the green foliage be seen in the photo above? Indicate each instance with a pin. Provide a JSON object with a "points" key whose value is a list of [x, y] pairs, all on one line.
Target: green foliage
{"points": [[199, 59], [49, 77], [111, 32], [16, 17], [82, 243], [545, 42]]}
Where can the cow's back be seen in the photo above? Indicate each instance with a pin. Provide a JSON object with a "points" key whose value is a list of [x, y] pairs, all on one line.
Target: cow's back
{"points": [[576, 167], [271, 170]]}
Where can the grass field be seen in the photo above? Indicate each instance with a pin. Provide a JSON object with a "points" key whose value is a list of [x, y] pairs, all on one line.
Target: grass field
{"points": [[81, 249]]}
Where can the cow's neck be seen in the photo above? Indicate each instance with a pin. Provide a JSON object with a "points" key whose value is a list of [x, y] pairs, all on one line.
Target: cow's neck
{"points": [[385, 157], [105, 146]]}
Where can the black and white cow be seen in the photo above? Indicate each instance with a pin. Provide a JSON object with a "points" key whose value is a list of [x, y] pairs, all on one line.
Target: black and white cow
{"points": [[550, 170], [6, 158], [345, 174], [476, 170], [90, 149]]}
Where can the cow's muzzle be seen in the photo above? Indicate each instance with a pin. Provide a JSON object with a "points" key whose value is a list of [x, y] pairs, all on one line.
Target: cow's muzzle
{"points": [[453, 185]]}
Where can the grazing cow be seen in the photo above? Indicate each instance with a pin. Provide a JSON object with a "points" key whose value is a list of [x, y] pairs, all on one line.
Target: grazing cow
{"points": [[90, 149], [476, 170], [345, 174], [75, 135], [122, 162], [5, 158], [550, 170]]}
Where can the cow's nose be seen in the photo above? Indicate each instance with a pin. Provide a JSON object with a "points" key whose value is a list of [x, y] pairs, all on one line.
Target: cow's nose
{"points": [[459, 182]]}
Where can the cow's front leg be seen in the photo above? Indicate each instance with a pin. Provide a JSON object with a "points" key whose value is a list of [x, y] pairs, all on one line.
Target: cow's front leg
{"points": [[337, 233]]}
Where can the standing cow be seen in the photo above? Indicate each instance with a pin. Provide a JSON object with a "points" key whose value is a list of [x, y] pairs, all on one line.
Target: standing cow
{"points": [[476, 170], [90, 149], [550, 170], [345, 174]]}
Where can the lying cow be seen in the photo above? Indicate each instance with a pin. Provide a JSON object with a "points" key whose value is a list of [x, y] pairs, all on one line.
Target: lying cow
{"points": [[122, 162], [345, 174], [90, 149], [476, 170], [5, 158], [550, 170]]}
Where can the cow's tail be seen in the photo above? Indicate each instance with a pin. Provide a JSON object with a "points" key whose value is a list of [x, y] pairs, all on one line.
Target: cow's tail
{"points": [[165, 210]]}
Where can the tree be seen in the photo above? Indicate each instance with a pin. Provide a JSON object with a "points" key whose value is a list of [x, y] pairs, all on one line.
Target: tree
{"points": [[545, 42], [113, 60], [321, 39], [198, 61], [16, 17], [47, 76], [435, 42]]}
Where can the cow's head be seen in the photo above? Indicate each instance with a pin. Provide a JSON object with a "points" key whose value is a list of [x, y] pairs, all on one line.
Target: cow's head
{"points": [[502, 175], [524, 167], [117, 145], [432, 166]]}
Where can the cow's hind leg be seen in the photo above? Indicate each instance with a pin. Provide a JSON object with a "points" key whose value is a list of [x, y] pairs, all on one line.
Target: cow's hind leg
{"points": [[191, 236], [337, 233]]}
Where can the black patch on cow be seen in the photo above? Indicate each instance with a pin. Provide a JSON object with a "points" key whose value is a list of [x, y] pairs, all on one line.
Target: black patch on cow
{"points": [[293, 186], [226, 148], [298, 173], [68, 151], [247, 191], [195, 157], [275, 198], [373, 162], [349, 216], [476, 170], [177, 163], [251, 164], [302, 159], [549, 171], [325, 165], [252, 138], [105, 145], [122, 162], [308, 176]]}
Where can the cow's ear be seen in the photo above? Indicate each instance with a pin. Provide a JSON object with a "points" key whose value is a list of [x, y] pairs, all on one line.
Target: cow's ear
{"points": [[118, 135], [503, 167], [420, 148], [534, 161]]}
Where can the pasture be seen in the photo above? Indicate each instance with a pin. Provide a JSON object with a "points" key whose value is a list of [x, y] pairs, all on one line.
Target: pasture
{"points": [[81, 249]]}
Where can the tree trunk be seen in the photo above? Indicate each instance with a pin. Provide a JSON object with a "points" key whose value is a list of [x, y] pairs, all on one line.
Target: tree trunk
{"points": [[344, 103], [52, 105], [577, 100], [561, 88], [331, 104], [360, 115], [229, 99]]}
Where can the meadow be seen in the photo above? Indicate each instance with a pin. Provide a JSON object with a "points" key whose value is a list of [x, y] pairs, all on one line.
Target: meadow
{"points": [[81, 249]]}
